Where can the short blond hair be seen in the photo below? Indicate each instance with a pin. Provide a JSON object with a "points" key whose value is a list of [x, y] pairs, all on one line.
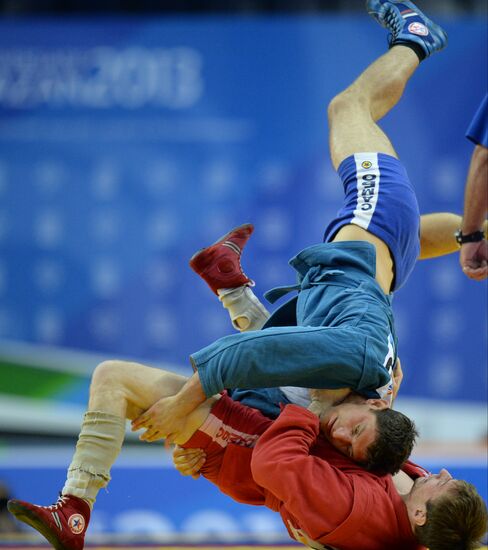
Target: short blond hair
{"points": [[455, 521]]}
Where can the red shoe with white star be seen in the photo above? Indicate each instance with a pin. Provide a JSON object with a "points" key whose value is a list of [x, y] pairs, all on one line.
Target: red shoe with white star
{"points": [[219, 265], [63, 524]]}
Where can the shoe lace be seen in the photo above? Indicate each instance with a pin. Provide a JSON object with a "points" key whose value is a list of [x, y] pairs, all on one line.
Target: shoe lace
{"points": [[393, 21], [61, 500]]}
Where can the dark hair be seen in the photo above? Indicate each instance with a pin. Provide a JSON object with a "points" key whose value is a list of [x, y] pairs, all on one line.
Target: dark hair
{"points": [[395, 438], [455, 521]]}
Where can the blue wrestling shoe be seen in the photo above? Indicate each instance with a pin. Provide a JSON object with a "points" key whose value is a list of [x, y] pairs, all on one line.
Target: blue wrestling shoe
{"points": [[408, 26]]}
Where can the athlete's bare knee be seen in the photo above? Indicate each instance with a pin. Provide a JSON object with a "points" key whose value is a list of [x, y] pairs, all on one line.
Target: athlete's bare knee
{"points": [[108, 388], [343, 100], [345, 103], [107, 375]]}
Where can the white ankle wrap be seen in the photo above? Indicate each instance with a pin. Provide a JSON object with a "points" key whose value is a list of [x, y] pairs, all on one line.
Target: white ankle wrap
{"points": [[245, 310], [99, 444]]}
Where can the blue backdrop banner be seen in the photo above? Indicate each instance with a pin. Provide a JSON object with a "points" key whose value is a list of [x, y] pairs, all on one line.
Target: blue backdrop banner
{"points": [[127, 144]]}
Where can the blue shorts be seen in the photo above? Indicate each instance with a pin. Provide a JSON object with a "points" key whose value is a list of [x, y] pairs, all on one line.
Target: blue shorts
{"points": [[380, 198]]}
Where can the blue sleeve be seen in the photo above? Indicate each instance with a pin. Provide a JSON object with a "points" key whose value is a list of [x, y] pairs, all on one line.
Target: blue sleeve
{"points": [[478, 129], [309, 357]]}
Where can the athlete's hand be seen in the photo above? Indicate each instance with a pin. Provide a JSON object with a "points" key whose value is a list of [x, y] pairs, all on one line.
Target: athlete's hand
{"points": [[473, 258], [167, 417], [323, 399], [189, 462], [164, 420], [397, 379]]}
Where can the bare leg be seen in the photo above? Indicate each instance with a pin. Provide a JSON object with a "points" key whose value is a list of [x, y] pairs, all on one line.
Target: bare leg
{"points": [[119, 390], [352, 125], [354, 112], [127, 389]]}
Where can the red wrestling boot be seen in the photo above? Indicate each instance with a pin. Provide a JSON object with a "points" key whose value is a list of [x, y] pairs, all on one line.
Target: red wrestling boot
{"points": [[219, 265], [63, 524]]}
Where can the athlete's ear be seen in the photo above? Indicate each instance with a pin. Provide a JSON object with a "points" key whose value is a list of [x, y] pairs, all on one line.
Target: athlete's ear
{"points": [[420, 515], [377, 404]]}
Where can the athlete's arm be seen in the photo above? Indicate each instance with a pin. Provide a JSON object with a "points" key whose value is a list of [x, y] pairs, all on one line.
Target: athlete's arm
{"points": [[166, 418], [189, 462], [437, 234], [397, 380], [321, 400], [319, 496], [474, 256], [476, 192], [335, 357]]}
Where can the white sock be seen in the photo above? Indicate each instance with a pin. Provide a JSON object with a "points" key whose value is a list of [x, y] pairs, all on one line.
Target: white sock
{"points": [[99, 444], [245, 310]]}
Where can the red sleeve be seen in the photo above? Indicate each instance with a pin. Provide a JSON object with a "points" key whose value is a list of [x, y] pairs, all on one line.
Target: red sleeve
{"points": [[319, 496], [414, 470]]}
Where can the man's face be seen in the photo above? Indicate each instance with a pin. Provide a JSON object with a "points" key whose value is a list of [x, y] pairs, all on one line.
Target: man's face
{"points": [[425, 489], [351, 427]]}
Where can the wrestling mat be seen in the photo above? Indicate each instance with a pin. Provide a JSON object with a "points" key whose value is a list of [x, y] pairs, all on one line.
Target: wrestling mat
{"points": [[177, 547], [21, 546], [153, 547], [213, 547]]}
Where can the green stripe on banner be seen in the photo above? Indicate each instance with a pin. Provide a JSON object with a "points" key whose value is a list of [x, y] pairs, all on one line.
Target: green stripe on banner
{"points": [[32, 381]]}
